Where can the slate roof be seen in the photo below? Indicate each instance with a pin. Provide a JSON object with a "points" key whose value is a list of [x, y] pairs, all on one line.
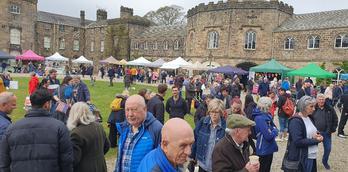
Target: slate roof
{"points": [[319, 20], [163, 31], [59, 19]]}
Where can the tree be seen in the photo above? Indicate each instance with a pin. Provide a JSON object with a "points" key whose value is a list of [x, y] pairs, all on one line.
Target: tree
{"points": [[167, 15]]}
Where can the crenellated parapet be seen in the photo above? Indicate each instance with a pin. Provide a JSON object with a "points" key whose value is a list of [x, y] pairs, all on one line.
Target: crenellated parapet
{"points": [[245, 4]]}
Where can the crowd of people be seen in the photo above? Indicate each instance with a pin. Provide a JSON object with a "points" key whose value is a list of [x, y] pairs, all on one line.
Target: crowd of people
{"points": [[235, 127]]}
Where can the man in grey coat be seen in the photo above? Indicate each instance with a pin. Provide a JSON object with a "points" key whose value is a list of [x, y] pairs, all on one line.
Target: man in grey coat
{"points": [[37, 142]]}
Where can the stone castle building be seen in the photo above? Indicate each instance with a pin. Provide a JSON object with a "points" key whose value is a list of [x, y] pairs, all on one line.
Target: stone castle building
{"points": [[231, 32]]}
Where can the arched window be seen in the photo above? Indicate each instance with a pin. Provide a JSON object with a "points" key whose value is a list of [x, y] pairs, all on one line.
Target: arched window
{"points": [[289, 43], [341, 41], [213, 40], [136, 45], [165, 45], [61, 43], [313, 42], [15, 36], [250, 40], [155, 45], [176, 45], [145, 45]]}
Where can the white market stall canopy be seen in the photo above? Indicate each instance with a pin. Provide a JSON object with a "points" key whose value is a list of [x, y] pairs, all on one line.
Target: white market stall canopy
{"points": [[141, 61], [83, 60], [57, 57], [158, 63], [174, 64], [196, 66]]}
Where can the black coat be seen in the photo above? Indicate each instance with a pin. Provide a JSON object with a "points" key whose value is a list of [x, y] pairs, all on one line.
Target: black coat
{"points": [[90, 144], [176, 108], [156, 107], [331, 117], [37, 143]]}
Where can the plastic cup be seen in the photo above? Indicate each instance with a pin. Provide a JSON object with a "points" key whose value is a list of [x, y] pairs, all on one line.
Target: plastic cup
{"points": [[254, 159]]}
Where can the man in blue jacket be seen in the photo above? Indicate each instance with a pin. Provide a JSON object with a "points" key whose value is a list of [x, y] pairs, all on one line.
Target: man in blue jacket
{"points": [[139, 134], [7, 105], [174, 149]]}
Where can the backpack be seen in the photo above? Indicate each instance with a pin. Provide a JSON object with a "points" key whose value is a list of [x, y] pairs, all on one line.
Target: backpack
{"points": [[116, 104], [288, 107]]}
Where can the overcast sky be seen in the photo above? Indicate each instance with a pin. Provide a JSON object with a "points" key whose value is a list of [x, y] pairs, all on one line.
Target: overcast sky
{"points": [[141, 7]]}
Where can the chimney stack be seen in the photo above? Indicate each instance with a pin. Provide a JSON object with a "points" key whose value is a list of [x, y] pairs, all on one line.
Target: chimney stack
{"points": [[82, 17], [126, 12], [102, 15]]}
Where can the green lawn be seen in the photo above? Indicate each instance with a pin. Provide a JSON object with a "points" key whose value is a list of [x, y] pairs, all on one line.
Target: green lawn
{"points": [[101, 95]]}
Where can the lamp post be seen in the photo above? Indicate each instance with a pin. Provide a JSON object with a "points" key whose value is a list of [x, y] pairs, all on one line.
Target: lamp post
{"points": [[338, 70]]}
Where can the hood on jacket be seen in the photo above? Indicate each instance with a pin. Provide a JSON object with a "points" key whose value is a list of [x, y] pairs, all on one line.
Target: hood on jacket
{"points": [[149, 119], [257, 112]]}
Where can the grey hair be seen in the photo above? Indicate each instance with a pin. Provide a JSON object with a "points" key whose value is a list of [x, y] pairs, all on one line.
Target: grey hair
{"points": [[320, 95], [5, 96], [264, 104], [79, 114], [304, 102]]}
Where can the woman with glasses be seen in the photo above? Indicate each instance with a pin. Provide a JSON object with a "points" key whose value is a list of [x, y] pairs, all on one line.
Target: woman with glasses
{"points": [[209, 130], [303, 137]]}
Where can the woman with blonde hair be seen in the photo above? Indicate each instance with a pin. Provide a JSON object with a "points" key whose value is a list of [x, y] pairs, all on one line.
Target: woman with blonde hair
{"points": [[88, 138], [209, 130]]}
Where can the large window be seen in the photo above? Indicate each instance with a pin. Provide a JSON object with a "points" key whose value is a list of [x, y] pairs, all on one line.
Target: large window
{"points": [[341, 41], [165, 45], [61, 28], [61, 43], [155, 45], [213, 40], [176, 45], [250, 40], [76, 45], [15, 36], [313, 42], [15, 9], [136, 45], [92, 46], [47, 42], [145, 45], [101, 46], [289, 43]]}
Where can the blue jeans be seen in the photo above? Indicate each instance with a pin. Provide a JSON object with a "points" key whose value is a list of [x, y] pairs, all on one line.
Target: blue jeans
{"points": [[327, 146], [283, 124]]}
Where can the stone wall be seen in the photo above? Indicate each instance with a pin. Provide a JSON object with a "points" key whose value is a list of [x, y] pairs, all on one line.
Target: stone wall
{"points": [[301, 52], [232, 21], [52, 30], [25, 22], [96, 35], [153, 54]]}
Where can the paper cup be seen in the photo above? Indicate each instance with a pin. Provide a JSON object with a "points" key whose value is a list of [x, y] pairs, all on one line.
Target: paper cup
{"points": [[254, 159]]}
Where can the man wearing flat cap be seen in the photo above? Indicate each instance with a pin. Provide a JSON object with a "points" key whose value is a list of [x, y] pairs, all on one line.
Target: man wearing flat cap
{"points": [[231, 153]]}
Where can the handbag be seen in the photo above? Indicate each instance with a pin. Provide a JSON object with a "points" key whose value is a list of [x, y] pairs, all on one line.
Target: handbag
{"points": [[290, 165], [62, 107]]}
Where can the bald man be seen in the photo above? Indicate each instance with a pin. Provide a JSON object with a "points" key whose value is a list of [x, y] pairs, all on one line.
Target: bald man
{"points": [[170, 156], [139, 134], [8, 102]]}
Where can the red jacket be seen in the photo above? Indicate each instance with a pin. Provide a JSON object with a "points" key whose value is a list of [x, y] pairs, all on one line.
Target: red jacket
{"points": [[33, 84]]}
